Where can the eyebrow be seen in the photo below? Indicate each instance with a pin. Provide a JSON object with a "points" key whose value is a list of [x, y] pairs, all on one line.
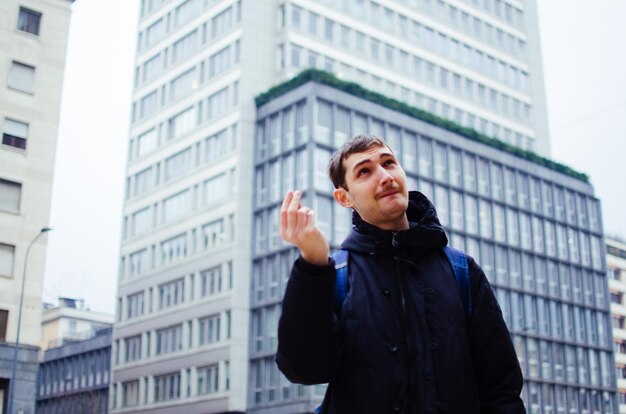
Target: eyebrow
{"points": [[368, 160]]}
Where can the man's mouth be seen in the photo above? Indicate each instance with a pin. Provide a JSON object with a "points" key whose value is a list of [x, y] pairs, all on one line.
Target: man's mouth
{"points": [[388, 193]]}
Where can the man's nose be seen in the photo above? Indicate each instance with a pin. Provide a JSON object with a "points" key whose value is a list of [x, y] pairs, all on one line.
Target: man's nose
{"points": [[385, 177]]}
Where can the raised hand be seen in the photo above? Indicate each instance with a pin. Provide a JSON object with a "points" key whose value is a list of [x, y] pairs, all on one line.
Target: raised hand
{"points": [[298, 227]]}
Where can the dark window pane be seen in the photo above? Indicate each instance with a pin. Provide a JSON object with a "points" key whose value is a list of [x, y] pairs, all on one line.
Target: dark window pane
{"points": [[28, 21]]}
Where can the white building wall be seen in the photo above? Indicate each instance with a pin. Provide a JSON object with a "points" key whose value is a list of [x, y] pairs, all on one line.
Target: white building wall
{"points": [[616, 266], [33, 166]]}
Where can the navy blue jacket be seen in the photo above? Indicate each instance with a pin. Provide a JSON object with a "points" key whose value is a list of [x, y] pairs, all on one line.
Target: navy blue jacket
{"points": [[402, 343]]}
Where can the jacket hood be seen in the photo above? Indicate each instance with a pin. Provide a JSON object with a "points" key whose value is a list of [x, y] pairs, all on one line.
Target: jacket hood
{"points": [[425, 232]]}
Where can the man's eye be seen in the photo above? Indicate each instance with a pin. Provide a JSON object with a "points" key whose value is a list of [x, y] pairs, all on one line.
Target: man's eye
{"points": [[362, 171], [390, 162]]}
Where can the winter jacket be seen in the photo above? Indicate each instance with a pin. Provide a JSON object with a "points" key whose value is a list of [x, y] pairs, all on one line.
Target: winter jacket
{"points": [[403, 342]]}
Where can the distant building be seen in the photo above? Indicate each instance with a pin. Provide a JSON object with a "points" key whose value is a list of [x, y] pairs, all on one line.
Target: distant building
{"points": [[70, 321], [74, 377], [616, 271], [32, 59]]}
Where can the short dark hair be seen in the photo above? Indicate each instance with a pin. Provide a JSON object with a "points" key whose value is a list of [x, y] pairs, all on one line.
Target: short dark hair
{"points": [[356, 144]]}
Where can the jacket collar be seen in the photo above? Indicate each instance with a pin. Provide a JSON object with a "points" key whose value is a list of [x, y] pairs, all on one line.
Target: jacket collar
{"points": [[425, 232]]}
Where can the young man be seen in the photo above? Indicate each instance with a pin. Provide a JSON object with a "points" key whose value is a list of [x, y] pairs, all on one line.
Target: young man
{"points": [[402, 342]]}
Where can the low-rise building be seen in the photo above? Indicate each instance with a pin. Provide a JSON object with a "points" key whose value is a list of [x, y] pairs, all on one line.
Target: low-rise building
{"points": [[70, 321], [74, 377]]}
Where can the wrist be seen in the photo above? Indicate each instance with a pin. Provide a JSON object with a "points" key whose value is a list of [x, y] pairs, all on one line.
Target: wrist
{"points": [[318, 260]]}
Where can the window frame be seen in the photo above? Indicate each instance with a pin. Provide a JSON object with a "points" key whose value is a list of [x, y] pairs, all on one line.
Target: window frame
{"points": [[30, 13]]}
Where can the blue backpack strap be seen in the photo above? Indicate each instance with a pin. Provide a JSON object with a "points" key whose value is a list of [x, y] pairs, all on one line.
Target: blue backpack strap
{"points": [[341, 280], [458, 261]]}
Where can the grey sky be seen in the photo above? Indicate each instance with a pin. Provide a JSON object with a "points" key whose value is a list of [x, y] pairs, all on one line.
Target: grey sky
{"points": [[584, 67]]}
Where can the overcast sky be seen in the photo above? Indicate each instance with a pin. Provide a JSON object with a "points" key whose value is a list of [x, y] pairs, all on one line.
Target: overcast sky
{"points": [[584, 60]]}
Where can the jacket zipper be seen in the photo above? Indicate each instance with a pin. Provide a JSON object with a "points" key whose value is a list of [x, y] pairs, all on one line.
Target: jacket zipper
{"points": [[405, 318]]}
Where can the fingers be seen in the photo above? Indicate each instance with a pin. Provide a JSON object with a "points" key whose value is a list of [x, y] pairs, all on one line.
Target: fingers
{"points": [[294, 218], [283, 212], [292, 210]]}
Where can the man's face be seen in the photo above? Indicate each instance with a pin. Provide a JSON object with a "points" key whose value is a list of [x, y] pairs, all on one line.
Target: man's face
{"points": [[376, 188]]}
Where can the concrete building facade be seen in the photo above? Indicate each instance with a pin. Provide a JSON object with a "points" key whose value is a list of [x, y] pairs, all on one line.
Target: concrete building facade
{"points": [[74, 376], [183, 327], [616, 272], [535, 231], [33, 40]]}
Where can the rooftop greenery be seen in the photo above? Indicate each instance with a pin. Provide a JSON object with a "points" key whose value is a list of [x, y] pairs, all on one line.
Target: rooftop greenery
{"points": [[325, 78]]}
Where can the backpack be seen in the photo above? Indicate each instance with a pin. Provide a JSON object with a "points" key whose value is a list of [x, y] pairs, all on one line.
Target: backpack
{"points": [[460, 268], [457, 260]]}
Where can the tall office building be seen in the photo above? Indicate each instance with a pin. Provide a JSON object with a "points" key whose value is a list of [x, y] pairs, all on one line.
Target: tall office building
{"points": [[33, 41], [184, 314], [533, 226], [616, 271]]}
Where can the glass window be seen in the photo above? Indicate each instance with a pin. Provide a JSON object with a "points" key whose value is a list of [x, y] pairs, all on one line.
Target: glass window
{"points": [[323, 125], [169, 339], [471, 215], [484, 217], [342, 126], [497, 189], [487, 260], [209, 329], [456, 210], [512, 226], [441, 204], [515, 268], [440, 162], [171, 293], [533, 357], [469, 172], [537, 230], [502, 268], [455, 167], [167, 387], [176, 206], [409, 152], [425, 157], [499, 223], [208, 379], [483, 176], [535, 197], [14, 133], [530, 317], [29, 21]]}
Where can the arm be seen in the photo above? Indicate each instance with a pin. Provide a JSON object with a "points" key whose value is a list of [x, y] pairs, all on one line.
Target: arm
{"points": [[308, 351], [306, 340], [497, 371]]}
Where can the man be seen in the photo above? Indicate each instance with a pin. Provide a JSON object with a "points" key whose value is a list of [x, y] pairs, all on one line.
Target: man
{"points": [[402, 341]]}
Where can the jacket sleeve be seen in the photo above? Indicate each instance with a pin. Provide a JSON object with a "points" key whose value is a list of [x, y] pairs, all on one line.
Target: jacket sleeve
{"points": [[496, 367], [308, 350]]}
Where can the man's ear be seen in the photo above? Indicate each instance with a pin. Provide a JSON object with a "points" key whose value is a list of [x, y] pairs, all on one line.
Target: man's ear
{"points": [[341, 196]]}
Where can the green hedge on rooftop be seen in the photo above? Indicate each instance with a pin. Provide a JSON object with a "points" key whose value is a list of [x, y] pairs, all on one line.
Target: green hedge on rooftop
{"points": [[325, 78]]}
